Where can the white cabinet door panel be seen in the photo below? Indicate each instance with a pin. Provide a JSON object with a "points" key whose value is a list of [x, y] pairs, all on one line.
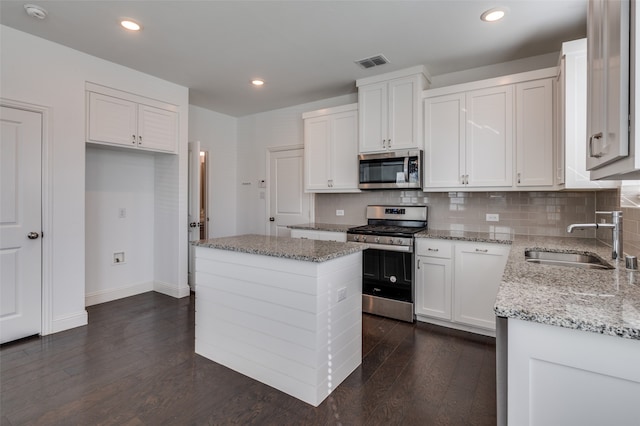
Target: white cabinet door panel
{"points": [[317, 134], [373, 116], [404, 113], [157, 128], [534, 133], [490, 137], [344, 151], [444, 130], [608, 82], [112, 120], [478, 270], [433, 287]]}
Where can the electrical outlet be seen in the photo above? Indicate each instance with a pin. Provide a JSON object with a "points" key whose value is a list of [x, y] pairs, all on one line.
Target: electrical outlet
{"points": [[339, 212], [493, 217], [342, 294], [118, 257]]}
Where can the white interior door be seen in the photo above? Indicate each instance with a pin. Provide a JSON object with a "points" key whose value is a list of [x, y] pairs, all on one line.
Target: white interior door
{"points": [[288, 203], [194, 207], [20, 224]]}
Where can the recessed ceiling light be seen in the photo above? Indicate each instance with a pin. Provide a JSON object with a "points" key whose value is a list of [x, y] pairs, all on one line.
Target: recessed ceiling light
{"points": [[130, 25], [493, 15], [257, 82], [35, 11]]}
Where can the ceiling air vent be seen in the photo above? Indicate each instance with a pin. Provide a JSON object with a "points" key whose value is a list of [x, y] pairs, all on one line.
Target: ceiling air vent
{"points": [[373, 61]]}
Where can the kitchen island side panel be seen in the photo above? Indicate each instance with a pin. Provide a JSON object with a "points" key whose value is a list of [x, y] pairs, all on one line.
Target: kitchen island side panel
{"points": [[279, 320]]}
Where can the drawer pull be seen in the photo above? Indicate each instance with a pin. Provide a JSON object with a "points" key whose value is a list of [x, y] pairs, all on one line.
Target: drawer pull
{"points": [[432, 249], [482, 250]]}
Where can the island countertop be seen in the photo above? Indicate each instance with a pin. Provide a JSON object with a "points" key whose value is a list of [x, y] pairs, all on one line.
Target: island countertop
{"points": [[283, 247], [599, 301], [331, 227]]}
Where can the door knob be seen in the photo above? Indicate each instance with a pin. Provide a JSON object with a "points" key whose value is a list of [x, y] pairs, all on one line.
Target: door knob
{"points": [[33, 235], [272, 219]]}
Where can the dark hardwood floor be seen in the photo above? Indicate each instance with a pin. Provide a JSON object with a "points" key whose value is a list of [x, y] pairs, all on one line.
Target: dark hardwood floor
{"points": [[134, 364]]}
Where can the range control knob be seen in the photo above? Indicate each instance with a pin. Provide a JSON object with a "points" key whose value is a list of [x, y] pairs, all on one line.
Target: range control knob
{"points": [[364, 239], [390, 240], [377, 239], [356, 238]]}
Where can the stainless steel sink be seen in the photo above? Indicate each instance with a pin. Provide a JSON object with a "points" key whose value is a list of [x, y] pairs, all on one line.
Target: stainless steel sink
{"points": [[576, 260]]}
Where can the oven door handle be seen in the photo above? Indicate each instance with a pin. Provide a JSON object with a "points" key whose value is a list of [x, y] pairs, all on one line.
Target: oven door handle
{"points": [[388, 247]]}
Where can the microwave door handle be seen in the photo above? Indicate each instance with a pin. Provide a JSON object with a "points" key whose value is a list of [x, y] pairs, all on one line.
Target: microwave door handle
{"points": [[406, 169]]}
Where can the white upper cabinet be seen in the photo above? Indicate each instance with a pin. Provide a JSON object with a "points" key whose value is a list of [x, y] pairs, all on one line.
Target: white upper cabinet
{"points": [[571, 115], [534, 133], [123, 120], [474, 132], [390, 108], [331, 149], [469, 139], [608, 82]]}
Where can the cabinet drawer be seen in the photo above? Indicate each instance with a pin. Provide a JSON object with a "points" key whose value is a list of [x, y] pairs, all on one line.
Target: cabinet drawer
{"points": [[434, 248]]}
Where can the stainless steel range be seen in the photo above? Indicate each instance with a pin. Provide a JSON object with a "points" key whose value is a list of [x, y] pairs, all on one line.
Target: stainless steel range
{"points": [[387, 267]]}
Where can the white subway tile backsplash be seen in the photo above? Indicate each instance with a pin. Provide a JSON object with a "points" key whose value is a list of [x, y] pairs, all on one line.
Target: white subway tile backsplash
{"points": [[528, 213]]}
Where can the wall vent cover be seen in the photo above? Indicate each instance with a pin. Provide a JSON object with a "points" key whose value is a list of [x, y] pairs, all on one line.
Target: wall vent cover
{"points": [[373, 61]]}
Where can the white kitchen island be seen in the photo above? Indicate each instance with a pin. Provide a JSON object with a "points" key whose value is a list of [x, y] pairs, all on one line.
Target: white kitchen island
{"points": [[286, 312]]}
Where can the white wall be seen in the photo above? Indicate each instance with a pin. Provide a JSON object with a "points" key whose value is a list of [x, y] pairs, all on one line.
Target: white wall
{"points": [[118, 179], [496, 70], [282, 127], [218, 135], [43, 73]]}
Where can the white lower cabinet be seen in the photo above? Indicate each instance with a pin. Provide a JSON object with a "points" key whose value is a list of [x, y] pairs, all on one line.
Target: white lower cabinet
{"points": [[313, 234], [560, 376], [456, 283]]}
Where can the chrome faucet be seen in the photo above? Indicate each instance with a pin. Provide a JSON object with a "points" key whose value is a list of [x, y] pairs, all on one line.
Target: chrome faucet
{"points": [[616, 231]]}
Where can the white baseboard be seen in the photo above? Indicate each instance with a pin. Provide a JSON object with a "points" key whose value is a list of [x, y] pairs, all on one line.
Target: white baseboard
{"points": [[103, 296], [171, 289], [68, 321], [457, 326]]}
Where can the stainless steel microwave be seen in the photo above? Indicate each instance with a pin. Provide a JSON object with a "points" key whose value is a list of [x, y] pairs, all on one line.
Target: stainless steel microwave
{"points": [[391, 170]]}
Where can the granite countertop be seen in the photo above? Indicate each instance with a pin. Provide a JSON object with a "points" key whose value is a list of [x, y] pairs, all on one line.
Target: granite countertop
{"points": [[283, 247], [477, 237], [323, 227], [598, 301]]}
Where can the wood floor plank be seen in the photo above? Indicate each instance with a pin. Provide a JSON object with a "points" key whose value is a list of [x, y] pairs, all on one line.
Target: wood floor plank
{"points": [[134, 364]]}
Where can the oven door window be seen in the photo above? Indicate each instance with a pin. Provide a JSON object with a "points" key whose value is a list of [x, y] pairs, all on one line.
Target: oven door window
{"points": [[388, 274], [383, 170]]}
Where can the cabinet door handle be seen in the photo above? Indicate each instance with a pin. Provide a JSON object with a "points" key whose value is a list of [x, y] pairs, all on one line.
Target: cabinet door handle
{"points": [[432, 249], [591, 138], [389, 143], [418, 263], [482, 250], [139, 140], [462, 179], [133, 140], [518, 177], [384, 143]]}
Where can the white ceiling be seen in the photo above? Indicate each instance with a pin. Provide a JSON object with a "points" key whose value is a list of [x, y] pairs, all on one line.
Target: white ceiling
{"points": [[304, 50]]}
